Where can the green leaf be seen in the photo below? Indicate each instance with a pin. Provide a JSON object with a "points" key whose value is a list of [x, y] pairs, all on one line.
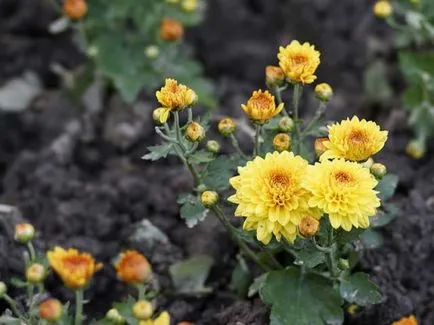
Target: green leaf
{"points": [[189, 276], [8, 320], [158, 152], [201, 156], [358, 289], [344, 237], [384, 216], [257, 285], [310, 257], [18, 283], [192, 210], [375, 81], [413, 64], [125, 308], [241, 278], [387, 187], [371, 239], [298, 299], [219, 171]]}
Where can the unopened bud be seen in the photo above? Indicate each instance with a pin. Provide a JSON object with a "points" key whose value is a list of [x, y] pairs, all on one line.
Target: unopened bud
{"points": [[286, 124], [36, 273], [185, 323], [353, 309], [115, 317], [143, 310], [209, 199], [415, 149], [50, 310], [24, 233], [383, 9], [274, 76], [92, 51], [368, 163], [227, 126], [213, 146], [156, 115], [343, 264], [171, 30], [195, 132], [378, 170], [75, 9], [282, 142], [152, 51], [190, 5], [319, 146], [172, 2], [323, 92], [308, 226], [3, 289]]}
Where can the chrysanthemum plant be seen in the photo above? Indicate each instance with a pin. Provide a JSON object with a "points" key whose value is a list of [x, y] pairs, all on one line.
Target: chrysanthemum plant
{"points": [[76, 270], [131, 45], [413, 22], [305, 221]]}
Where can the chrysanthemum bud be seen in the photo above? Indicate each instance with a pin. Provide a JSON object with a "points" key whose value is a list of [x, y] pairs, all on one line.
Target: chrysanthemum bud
{"points": [[3, 289], [343, 264], [171, 30], [185, 323], [274, 76], [75, 9], [227, 126], [92, 51], [190, 5], [368, 163], [36, 273], [415, 149], [378, 170], [209, 198], [308, 226], [383, 9], [143, 310], [115, 317], [353, 309], [50, 310], [213, 146], [415, 3], [195, 132], [24, 233], [152, 51], [323, 92], [319, 146], [282, 142], [286, 124], [172, 2], [156, 115]]}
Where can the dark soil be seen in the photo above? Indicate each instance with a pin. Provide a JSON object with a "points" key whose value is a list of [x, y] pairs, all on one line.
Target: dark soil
{"points": [[94, 193]]}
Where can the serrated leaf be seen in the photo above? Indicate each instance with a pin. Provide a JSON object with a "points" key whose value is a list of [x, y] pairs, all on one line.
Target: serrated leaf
{"points": [[384, 216], [371, 239], [158, 152], [309, 257], [125, 308], [189, 276], [201, 156], [387, 187], [256, 286], [219, 171], [344, 237], [301, 299], [359, 290], [192, 210]]}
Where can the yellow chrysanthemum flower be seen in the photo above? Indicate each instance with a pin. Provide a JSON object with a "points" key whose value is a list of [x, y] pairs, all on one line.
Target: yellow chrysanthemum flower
{"points": [[270, 195], [76, 269], [411, 320], [261, 107], [354, 139], [174, 97], [299, 62], [162, 319], [344, 190]]}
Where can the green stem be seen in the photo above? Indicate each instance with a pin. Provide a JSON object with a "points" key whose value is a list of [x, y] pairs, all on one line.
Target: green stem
{"points": [[317, 116], [32, 252], [13, 306], [237, 147], [142, 291], [331, 254], [257, 149], [296, 104], [270, 255], [30, 302], [243, 246], [278, 93], [79, 307]]}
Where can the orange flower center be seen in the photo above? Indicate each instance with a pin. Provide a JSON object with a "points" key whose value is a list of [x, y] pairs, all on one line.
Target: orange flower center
{"points": [[299, 60], [343, 177], [358, 137], [262, 101], [75, 263]]}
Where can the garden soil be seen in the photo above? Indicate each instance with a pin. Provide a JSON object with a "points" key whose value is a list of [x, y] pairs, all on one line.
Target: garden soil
{"points": [[94, 192]]}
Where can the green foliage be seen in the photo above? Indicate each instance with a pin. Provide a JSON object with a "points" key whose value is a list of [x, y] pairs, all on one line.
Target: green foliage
{"points": [[219, 171], [301, 299], [358, 289], [241, 278], [375, 82], [387, 187], [192, 210], [159, 152], [189, 276]]}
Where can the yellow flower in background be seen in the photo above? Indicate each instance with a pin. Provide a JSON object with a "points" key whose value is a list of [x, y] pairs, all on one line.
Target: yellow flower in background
{"points": [[411, 320], [270, 196], [299, 62], [162, 319], [133, 268], [190, 5], [354, 139], [76, 269], [174, 97], [261, 107], [344, 190], [383, 9]]}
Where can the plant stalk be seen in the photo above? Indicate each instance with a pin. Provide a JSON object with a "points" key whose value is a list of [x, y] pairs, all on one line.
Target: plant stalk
{"points": [[257, 149], [237, 147], [79, 300], [296, 104]]}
